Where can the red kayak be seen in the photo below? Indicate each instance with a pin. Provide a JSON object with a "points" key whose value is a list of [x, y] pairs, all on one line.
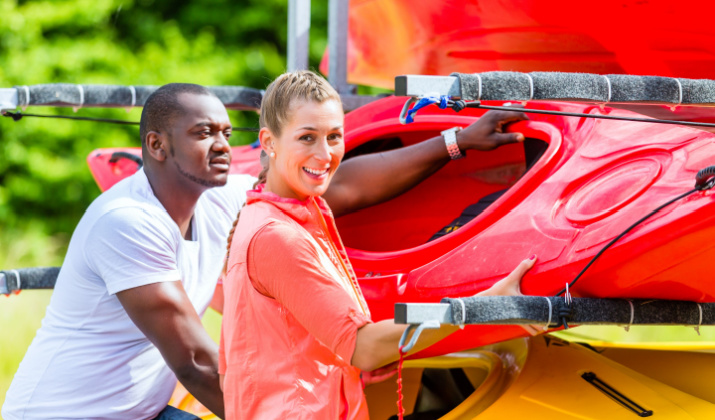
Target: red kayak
{"points": [[574, 185], [637, 37]]}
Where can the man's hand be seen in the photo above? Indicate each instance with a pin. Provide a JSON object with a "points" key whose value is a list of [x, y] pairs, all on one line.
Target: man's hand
{"points": [[487, 133], [371, 179]]}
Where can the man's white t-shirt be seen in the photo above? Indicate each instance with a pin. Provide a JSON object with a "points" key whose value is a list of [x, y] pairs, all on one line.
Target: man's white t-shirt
{"points": [[88, 359]]}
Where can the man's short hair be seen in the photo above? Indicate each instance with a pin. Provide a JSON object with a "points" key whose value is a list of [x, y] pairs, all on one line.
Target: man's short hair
{"points": [[163, 106]]}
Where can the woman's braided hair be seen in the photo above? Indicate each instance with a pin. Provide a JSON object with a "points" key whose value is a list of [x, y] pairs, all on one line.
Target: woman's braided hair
{"points": [[301, 85]]}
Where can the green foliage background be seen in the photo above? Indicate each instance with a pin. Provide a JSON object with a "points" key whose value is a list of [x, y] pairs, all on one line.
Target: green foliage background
{"points": [[44, 182]]}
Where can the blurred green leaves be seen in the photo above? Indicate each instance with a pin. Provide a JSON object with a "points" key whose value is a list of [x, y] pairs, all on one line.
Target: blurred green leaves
{"points": [[45, 184]]}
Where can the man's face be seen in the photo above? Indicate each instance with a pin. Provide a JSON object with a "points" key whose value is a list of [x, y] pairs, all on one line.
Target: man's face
{"points": [[198, 140]]}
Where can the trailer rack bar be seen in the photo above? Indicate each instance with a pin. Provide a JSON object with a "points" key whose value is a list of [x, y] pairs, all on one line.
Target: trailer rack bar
{"points": [[573, 87], [112, 96], [117, 96], [12, 281], [505, 310], [551, 311]]}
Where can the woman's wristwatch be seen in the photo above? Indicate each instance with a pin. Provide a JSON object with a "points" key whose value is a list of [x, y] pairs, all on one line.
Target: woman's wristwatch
{"points": [[450, 140]]}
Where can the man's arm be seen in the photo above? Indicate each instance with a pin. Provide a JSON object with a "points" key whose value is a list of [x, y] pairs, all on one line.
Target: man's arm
{"points": [[367, 180], [163, 312]]}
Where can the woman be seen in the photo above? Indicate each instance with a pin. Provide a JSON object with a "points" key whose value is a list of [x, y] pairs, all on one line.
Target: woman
{"points": [[297, 332]]}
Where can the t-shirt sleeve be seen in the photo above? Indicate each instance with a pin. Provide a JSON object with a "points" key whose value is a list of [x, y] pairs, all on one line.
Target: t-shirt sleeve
{"points": [[284, 264], [129, 247]]}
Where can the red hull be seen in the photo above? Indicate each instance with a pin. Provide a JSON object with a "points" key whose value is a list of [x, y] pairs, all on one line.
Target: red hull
{"points": [[595, 179]]}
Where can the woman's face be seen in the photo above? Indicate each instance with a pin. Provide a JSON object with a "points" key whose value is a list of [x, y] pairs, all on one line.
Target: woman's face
{"points": [[308, 151]]}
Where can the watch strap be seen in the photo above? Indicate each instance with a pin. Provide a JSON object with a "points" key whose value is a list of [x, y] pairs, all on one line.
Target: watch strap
{"points": [[450, 140]]}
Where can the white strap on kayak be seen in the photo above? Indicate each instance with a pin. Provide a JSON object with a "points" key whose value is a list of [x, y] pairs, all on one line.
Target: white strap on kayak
{"points": [[531, 89], [633, 313], [134, 98], [680, 101], [464, 313], [18, 281], [700, 322], [81, 98], [608, 84], [479, 79], [27, 97], [551, 310]]}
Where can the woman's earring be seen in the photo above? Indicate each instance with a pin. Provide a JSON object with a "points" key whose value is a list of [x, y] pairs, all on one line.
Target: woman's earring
{"points": [[272, 155]]}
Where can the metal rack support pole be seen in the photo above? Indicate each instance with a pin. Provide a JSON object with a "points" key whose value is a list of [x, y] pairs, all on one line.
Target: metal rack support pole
{"points": [[298, 34], [338, 46]]}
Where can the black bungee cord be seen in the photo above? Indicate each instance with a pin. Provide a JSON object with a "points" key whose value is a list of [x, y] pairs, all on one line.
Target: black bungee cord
{"points": [[460, 105], [17, 116], [704, 180], [622, 234]]}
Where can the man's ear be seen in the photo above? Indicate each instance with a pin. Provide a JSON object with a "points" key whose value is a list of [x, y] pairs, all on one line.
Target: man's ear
{"points": [[157, 145]]}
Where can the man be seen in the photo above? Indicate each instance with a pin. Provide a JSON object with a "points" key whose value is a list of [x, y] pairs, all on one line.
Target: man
{"points": [[124, 320]]}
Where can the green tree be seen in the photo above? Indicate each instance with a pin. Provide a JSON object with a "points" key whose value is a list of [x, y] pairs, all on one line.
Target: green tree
{"points": [[44, 182]]}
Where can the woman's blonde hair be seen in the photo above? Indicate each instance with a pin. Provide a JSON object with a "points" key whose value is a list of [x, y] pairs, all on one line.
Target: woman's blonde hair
{"points": [[281, 94], [296, 86]]}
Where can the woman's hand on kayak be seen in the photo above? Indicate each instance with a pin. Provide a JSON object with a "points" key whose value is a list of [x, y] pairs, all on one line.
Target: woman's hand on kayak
{"points": [[511, 286], [488, 132]]}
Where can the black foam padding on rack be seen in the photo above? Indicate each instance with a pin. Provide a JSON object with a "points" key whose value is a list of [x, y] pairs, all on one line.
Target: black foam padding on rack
{"points": [[236, 97], [506, 86], [501, 310], [63, 94], [31, 278]]}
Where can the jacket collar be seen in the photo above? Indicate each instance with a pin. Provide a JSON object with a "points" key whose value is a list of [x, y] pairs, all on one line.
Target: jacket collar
{"points": [[300, 210]]}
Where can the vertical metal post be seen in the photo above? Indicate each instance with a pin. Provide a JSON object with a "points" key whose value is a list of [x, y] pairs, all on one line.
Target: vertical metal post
{"points": [[338, 46], [298, 34]]}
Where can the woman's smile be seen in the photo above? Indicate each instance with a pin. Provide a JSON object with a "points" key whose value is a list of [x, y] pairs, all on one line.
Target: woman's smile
{"points": [[317, 173]]}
